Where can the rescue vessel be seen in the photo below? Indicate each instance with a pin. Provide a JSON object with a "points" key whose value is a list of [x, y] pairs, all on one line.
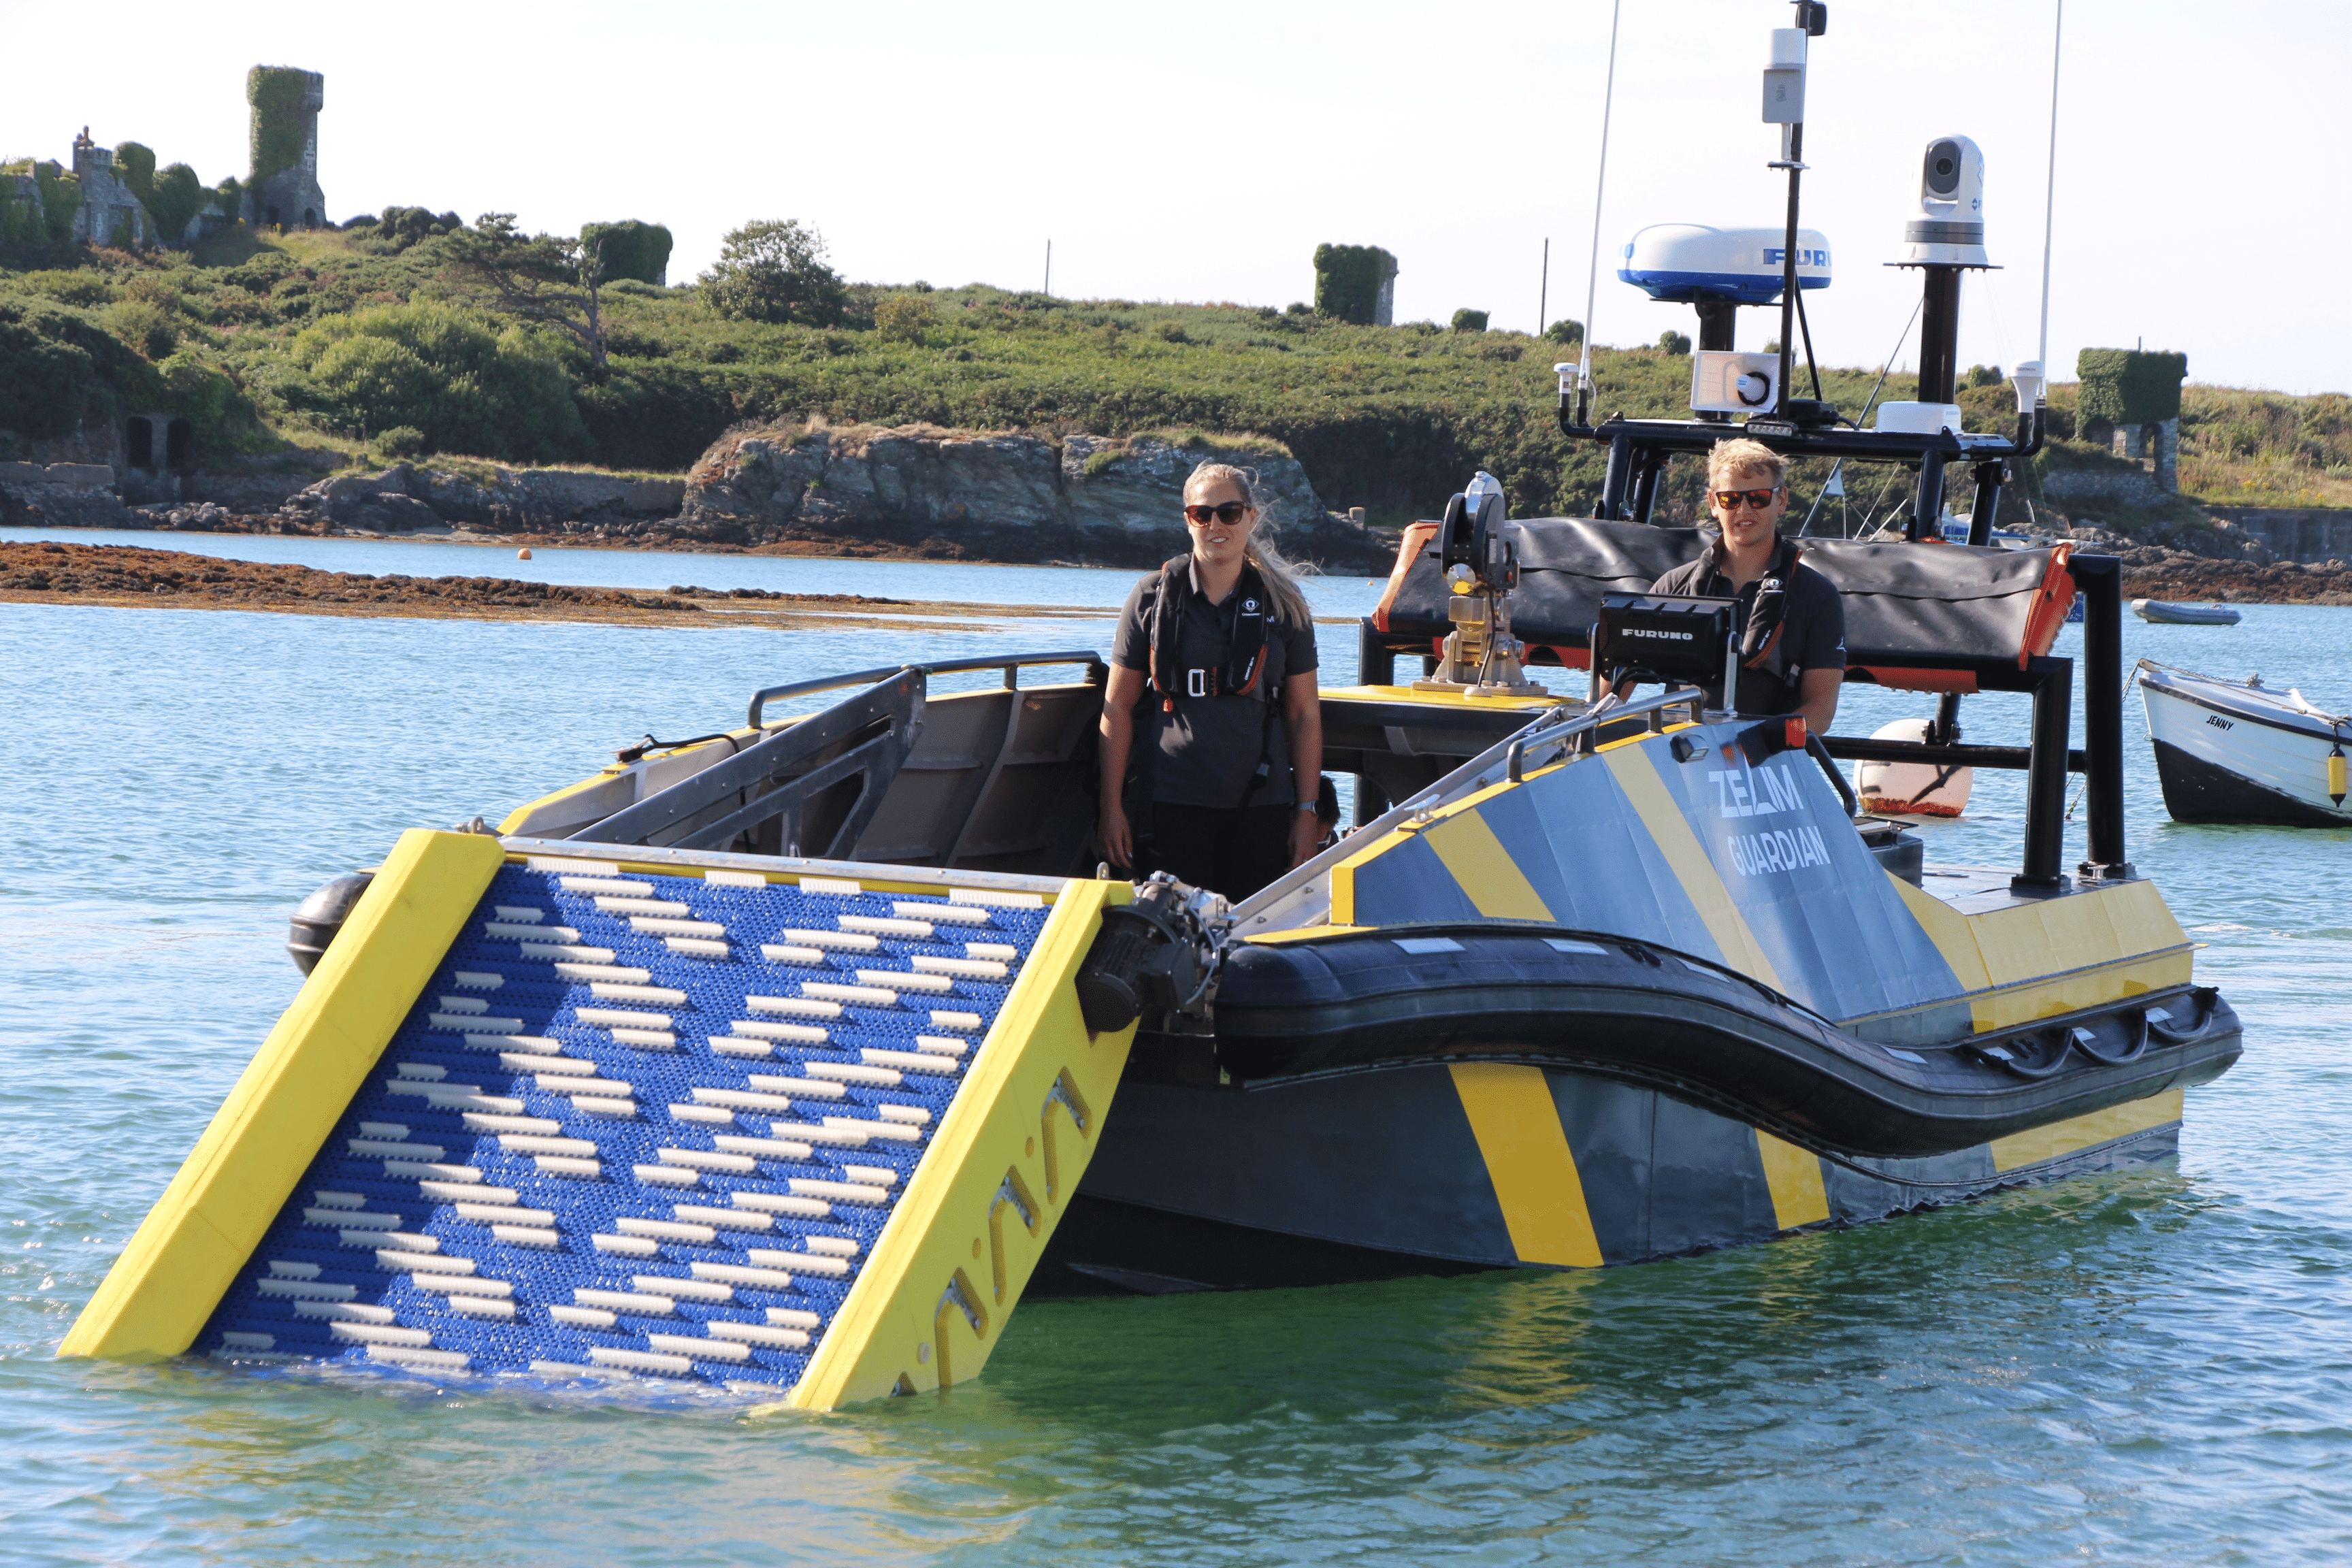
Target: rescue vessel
{"points": [[784, 1062]]}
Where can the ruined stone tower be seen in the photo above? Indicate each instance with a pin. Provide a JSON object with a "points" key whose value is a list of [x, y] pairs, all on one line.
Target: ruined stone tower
{"points": [[283, 191]]}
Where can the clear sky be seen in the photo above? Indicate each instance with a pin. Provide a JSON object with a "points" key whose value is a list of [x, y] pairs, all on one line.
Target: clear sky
{"points": [[1201, 151]]}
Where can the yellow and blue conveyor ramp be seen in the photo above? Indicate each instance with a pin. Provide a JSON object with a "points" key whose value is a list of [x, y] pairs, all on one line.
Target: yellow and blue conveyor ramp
{"points": [[592, 1112]]}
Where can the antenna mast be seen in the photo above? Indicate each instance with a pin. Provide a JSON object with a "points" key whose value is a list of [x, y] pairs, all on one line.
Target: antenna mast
{"points": [[2050, 192], [1600, 185]]}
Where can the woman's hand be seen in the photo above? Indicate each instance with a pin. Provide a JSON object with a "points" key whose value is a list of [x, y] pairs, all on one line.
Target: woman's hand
{"points": [[1117, 838], [1306, 835], [1120, 695]]}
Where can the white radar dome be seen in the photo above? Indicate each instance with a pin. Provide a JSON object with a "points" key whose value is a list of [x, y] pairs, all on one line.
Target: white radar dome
{"points": [[1687, 262]]}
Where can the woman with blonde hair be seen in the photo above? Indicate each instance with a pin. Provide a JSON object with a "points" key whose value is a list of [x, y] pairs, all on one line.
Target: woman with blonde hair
{"points": [[1212, 670]]}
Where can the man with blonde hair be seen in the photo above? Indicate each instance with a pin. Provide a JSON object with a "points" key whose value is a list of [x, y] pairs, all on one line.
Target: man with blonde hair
{"points": [[1792, 635]]}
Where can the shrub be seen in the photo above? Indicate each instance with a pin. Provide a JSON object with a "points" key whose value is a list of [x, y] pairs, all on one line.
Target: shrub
{"points": [[904, 318], [401, 441], [1983, 376], [1349, 280], [47, 386], [656, 416], [174, 201], [774, 270], [1171, 332], [462, 383], [1467, 320], [218, 416], [628, 249], [145, 326], [134, 166], [1675, 342], [1565, 331], [403, 226]]}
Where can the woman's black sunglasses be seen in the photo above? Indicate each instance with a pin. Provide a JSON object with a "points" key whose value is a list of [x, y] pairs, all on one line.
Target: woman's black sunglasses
{"points": [[1227, 513]]}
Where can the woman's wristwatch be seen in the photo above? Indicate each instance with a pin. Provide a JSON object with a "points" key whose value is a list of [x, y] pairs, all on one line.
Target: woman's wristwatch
{"points": [[1305, 804]]}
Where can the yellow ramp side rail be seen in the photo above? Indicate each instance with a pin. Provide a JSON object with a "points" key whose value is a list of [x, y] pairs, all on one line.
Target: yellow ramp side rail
{"points": [[932, 1303], [200, 1233]]}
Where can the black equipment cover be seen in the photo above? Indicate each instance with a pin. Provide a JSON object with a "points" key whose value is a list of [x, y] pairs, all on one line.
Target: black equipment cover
{"points": [[1902, 601]]}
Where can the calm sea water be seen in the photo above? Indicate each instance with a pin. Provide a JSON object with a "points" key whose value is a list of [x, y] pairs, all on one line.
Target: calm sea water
{"points": [[2154, 1367]]}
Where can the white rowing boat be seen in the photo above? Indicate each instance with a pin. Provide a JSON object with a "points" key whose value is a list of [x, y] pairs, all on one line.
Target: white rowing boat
{"points": [[2244, 751]]}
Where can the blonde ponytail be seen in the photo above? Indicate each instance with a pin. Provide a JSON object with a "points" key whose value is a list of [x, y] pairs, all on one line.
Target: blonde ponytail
{"points": [[1286, 599]]}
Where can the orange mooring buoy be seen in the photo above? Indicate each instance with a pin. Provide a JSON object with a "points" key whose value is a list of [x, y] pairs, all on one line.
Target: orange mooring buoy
{"points": [[524, 554]]}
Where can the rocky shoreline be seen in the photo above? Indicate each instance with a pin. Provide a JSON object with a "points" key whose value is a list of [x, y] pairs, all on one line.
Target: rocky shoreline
{"points": [[130, 576]]}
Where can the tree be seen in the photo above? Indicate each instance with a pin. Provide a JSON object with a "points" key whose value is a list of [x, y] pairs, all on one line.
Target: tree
{"points": [[547, 278], [1675, 342], [1565, 330], [774, 270], [1469, 321]]}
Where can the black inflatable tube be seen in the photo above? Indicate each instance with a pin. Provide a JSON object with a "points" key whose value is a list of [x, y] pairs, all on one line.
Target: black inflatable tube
{"points": [[1639, 1014]]}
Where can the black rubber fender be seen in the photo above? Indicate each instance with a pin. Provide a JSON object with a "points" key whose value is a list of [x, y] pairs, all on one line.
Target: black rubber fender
{"points": [[321, 916], [1637, 1013]]}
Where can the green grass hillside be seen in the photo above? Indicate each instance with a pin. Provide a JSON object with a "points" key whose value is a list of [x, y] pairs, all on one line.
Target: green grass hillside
{"points": [[363, 342]]}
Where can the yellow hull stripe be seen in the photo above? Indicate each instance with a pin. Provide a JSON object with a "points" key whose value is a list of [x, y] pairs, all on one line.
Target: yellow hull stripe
{"points": [[1637, 775], [187, 1252], [1517, 1123], [1794, 1176], [2078, 1133], [1953, 933], [933, 1299], [1488, 876]]}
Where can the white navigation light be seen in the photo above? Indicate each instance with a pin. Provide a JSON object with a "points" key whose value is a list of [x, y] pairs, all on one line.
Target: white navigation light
{"points": [[1723, 383], [2030, 383], [1684, 263], [1949, 228], [1784, 77]]}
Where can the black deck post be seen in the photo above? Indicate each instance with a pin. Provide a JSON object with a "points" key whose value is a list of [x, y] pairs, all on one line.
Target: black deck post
{"points": [[1375, 659], [1614, 483], [1985, 514], [2101, 578], [1646, 486], [1927, 505], [2045, 778]]}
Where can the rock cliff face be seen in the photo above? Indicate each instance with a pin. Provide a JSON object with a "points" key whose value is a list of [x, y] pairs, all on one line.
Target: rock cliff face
{"points": [[803, 489], [1011, 497], [404, 498]]}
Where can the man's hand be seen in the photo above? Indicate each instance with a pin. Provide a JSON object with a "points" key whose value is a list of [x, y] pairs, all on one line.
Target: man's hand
{"points": [[1817, 698]]}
